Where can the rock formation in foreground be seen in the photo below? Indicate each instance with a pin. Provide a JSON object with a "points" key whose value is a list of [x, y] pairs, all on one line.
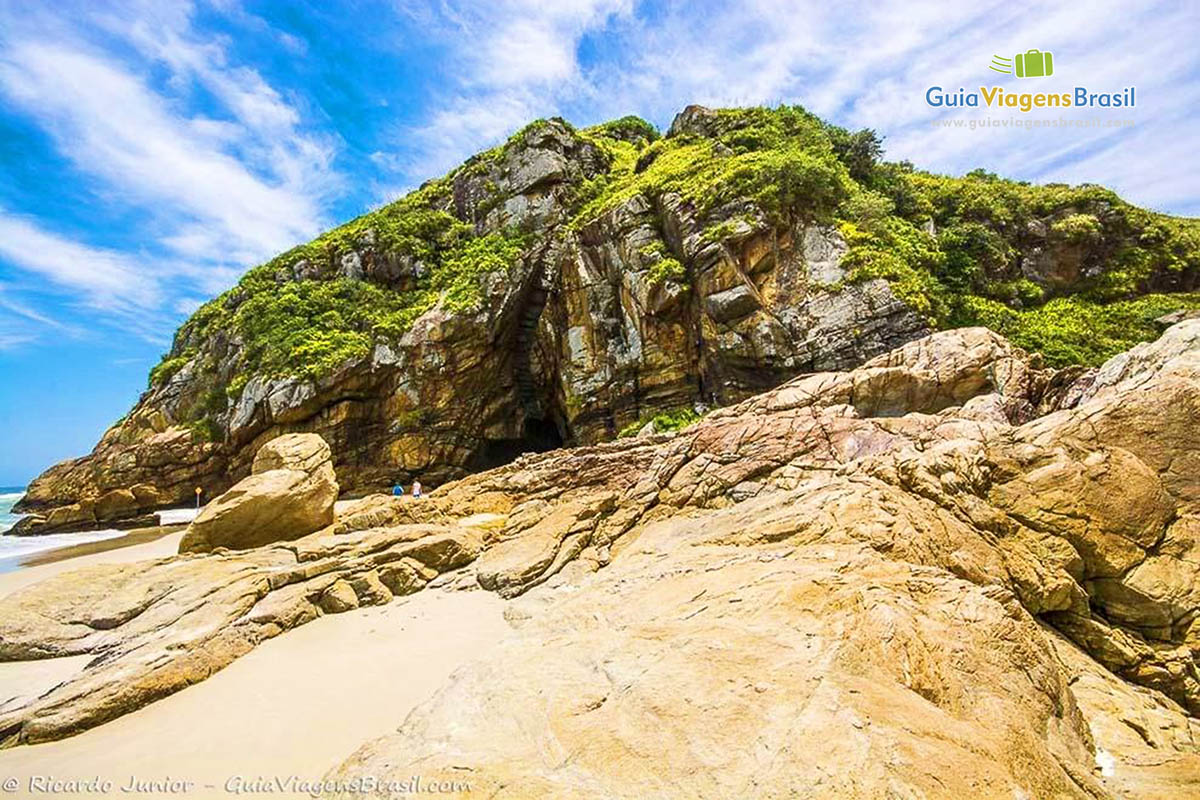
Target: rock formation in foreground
{"points": [[573, 283], [947, 573], [289, 493]]}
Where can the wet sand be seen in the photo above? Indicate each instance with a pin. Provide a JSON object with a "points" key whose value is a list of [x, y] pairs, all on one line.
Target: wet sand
{"points": [[130, 539], [124, 549]]}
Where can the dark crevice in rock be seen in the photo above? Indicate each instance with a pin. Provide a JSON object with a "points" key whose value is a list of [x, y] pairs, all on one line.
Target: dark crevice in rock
{"points": [[541, 435], [526, 337]]}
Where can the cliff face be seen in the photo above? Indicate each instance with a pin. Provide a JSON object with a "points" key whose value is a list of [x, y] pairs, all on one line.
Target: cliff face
{"points": [[572, 284]]}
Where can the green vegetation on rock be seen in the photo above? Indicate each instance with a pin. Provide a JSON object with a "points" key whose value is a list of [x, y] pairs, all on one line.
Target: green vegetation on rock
{"points": [[290, 324], [667, 269], [458, 279], [664, 422], [1072, 330], [1067, 270], [955, 249], [629, 129], [166, 369], [947, 244], [308, 328], [664, 267], [782, 160]]}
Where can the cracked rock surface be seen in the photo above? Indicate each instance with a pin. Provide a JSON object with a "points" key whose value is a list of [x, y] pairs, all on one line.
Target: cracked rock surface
{"points": [[945, 573]]}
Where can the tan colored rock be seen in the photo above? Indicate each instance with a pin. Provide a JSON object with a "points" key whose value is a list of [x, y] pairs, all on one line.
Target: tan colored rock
{"points": [[405, 576], [1107, 503], [1146, 746], [166, 624], [656, 672], [339, 597], [446, 551], [147, 496], [305, 452], [28, 525], [273, 504], [514, 564], [72, 515], [370, 590], [115, 505], [864, 575]]}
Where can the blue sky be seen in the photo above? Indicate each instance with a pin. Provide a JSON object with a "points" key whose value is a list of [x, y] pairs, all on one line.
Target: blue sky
{"points": [[151, 152]]}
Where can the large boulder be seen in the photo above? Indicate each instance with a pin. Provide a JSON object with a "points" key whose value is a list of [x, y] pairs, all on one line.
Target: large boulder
{"points": [[290, 493], [306, 452]]}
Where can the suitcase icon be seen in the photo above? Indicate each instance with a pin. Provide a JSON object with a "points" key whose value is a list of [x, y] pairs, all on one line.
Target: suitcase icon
{"points": [[1034, 64]]}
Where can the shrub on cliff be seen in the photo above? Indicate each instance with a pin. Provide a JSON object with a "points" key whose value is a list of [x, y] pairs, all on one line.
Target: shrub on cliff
{"points": [[307, 326], [1073, 330], [976, 249]]}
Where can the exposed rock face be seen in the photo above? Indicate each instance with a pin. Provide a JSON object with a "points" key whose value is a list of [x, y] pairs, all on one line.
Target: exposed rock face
{"points": [[119, 508], [758, 312], [289, 494], [144, 449], [578, 340], [668, 297], [934, 556]]}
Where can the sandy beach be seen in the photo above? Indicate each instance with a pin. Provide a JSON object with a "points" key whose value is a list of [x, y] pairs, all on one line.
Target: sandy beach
{"points": [[295, 706]]}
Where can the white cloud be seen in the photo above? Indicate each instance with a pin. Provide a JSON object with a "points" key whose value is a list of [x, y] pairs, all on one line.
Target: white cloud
{"points": [[861, 64], [514, 61], [115, 128], [223, 189], [106, 279]]}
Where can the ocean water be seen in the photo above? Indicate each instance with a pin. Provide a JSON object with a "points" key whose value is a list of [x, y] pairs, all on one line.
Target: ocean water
{"points": [[15, 548], [177, 516], [9, 495]]}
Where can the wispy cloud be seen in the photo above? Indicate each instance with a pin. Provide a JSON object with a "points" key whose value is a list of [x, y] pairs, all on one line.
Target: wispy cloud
{"points": [[225, 184], [20, 324], [152, 155], [862, 64], [105, 279], [21, 310], [514, 60], [94, 286]]}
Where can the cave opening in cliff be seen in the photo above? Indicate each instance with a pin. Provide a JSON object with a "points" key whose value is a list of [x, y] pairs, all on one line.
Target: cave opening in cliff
{"points": [[541, 435]]}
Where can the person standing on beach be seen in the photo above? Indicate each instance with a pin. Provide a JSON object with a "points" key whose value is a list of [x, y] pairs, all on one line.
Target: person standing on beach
{"points": [[416, 488], [398, 490]]}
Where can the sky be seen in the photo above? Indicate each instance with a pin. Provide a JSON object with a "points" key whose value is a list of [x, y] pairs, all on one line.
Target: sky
{"points": [[151, 152]]}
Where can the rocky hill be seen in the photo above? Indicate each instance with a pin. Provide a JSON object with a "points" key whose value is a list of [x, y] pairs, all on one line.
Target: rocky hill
{"points": [[951, 572], [575, 284]]}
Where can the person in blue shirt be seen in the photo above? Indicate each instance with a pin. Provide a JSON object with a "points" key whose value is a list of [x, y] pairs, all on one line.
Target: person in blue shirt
{"points": [[397, 490]]}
